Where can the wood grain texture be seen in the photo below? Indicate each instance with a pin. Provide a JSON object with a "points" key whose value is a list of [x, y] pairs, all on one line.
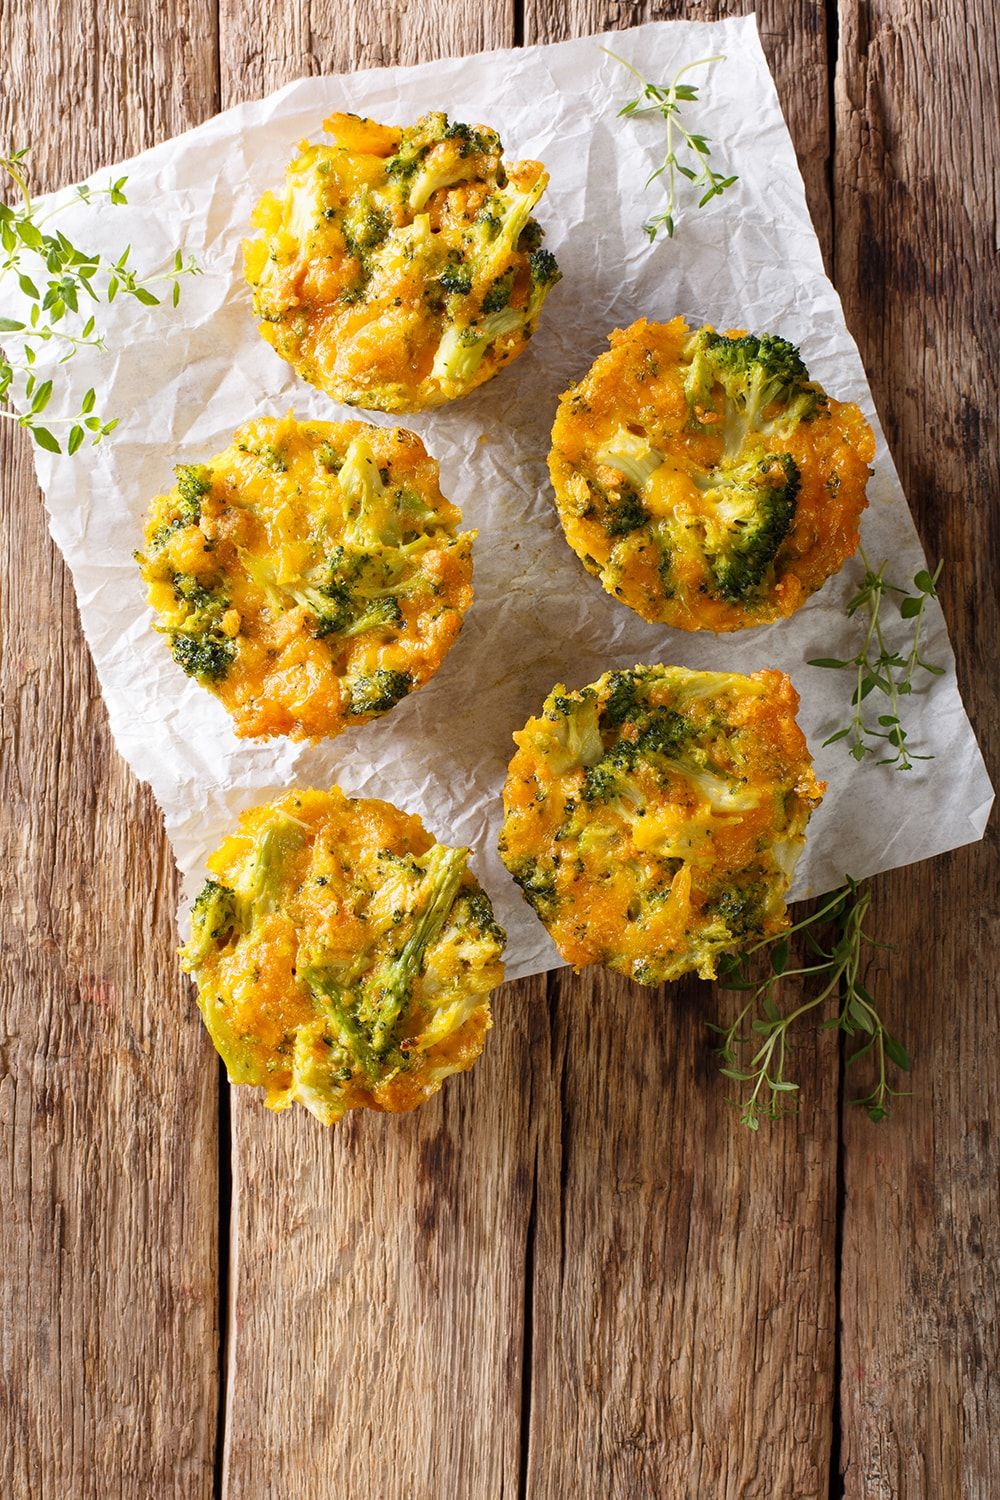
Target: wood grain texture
{"points": [[265, 43], [684, 1272], [378, 1270], [570, 1273], [917, 169], [683, 1269], [378, 1280], [108, 1087]]}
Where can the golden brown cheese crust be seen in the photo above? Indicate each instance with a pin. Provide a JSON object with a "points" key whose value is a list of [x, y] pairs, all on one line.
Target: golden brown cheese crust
{"points": [[395, 270], [659, 566], [310, 575], [326, 973], [653, 819]]}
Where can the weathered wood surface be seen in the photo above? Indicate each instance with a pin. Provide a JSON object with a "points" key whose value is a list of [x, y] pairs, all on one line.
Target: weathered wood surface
{"points": [[379, 1273], [570, 1273], [108, 1088], [916, 174]]}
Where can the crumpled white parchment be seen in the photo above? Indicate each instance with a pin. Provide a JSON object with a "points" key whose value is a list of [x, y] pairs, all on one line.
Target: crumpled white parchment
{"points": [[181, 381]]}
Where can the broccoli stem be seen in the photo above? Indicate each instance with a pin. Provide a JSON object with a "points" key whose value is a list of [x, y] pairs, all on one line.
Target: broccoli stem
{"points": [[371, 518], [259, 891], [632, 456], [333, 1000], [390, 986]]}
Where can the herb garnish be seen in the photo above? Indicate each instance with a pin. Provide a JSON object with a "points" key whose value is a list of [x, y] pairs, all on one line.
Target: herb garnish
{"points": [[68, 276], [756, 1057], [877, 665], [666, 99]]}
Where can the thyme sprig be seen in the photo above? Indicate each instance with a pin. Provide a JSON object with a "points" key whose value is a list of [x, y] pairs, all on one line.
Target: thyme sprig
{"points": [[753, 1049], [879, 665], [665, 99], [59, 279]]}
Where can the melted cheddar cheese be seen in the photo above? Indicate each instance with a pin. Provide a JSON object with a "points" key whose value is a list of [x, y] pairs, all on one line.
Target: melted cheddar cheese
{"points": [[400, 268], [653, 819], [311, 575], [343, 959], [662, 497]]}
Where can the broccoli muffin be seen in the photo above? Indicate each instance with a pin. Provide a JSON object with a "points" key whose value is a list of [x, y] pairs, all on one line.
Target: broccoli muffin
{"points": [[400, 268], [343, 959], [653, 820], [311, 575], [705, 479]]}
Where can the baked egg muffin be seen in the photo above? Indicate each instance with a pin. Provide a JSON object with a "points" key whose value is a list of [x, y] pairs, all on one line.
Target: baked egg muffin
{"points": [[653, 819], [705, 479], [343, 959], [311, 575], [400, 268]]}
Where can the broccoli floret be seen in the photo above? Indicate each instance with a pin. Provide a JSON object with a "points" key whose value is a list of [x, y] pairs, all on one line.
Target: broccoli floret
{"points": [[499, 225], [270, 456], [364, 1012], [414, 144], [456, 278], [624, 701], [378, 692], [661, 731], [433, 154], [625, 514], [765, 386], [213, 922], [539, 888], [365, 227], [665, 732], [331, 606], [544, 273], [480, 916], [379, 614], [193, 483], [741, 908], [261, 879], [755, 509], [336, 1002], [498, 295], [577, 732], [483, 142], [544, 270], [199, 645], [206, 657], [601, 782]]}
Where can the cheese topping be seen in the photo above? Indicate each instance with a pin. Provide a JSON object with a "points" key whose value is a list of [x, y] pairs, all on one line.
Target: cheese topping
{"points": [[653, 819], [311, 576], [400, 268], [704, 479], [344, 960]]}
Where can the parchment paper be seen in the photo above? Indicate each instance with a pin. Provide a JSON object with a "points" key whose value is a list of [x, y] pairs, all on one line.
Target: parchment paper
{"points": [[181, 381]]}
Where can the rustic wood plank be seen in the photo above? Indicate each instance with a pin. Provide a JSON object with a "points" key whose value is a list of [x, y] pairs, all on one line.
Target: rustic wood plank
{"points": [[108, 1087], [683, 1296], [378, 1269], [378, 1281], [917, 165], [269, 42]]}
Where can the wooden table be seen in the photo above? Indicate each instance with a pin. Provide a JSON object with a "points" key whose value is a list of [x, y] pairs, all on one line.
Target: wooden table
{"points": [[571, 1274]]}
